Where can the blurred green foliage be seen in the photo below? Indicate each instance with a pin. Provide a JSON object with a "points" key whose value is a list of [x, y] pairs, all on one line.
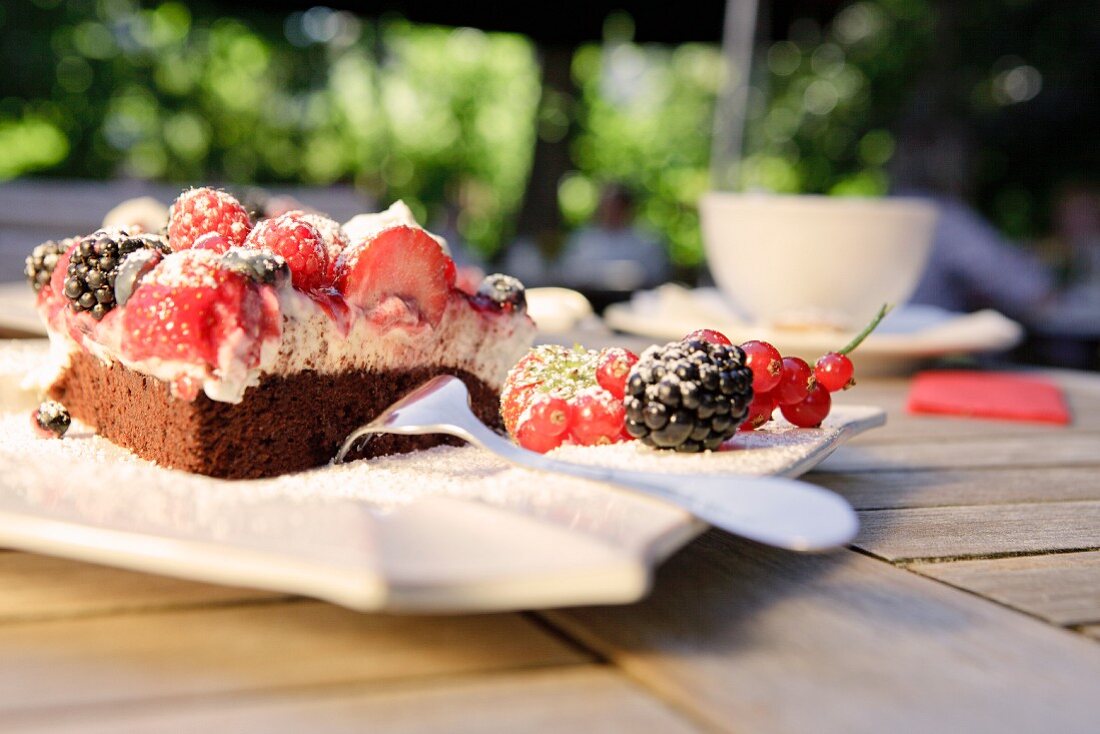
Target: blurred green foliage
{"points": [[172, 92], [447, 118]]}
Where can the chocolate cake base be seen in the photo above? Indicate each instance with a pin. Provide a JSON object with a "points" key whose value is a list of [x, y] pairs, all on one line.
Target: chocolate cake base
{"points": [[284, 424]]}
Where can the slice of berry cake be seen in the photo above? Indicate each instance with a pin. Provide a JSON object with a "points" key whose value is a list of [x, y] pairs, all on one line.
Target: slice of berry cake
{"points": [[240, 349]]}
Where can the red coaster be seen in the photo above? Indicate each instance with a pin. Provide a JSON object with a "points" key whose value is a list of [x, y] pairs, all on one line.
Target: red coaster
{"points": [[1003, 396]]}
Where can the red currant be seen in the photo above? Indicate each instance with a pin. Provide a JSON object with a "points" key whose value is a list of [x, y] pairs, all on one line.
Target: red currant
{"points": [[766, 364], [794, 385], [810, 412], [708, 335], [548, 414], [596, 417], [834, 371], [612, 369], [530, 438], [760, 410]]}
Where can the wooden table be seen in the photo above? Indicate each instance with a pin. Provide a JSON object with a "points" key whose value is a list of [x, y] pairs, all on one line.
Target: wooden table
{"points": [[970, 602]]}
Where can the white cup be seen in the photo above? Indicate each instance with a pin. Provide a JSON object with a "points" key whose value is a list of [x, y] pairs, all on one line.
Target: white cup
{"points": [[815, 260]]}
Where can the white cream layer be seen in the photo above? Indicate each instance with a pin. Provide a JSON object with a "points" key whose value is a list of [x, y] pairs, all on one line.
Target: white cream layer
{"points": [[486, 344]]}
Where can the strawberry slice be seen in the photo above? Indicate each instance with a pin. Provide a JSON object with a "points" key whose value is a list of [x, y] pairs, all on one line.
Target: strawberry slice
{"points": [[189, 307], [400, 262]]}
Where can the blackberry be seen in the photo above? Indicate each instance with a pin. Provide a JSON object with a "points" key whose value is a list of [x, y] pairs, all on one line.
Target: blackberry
{"points": [[93, 266], [689, 396], [504, 291], [42, 260], [51, 419]]}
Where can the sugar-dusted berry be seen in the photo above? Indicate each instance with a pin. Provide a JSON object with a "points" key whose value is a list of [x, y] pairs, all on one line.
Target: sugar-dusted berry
{"points": [[199, 211], [596, 417], [296, 241], [51, 419]]}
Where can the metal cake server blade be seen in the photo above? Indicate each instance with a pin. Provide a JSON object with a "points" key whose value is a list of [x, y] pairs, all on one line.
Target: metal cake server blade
{"points": [[776, 511]]}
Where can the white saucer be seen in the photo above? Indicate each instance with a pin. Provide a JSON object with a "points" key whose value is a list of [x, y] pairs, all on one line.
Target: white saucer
{"points": [[906, 337]]}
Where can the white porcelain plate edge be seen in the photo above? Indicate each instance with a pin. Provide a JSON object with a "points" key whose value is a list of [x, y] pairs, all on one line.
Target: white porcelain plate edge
{"points": [[525, 540]]}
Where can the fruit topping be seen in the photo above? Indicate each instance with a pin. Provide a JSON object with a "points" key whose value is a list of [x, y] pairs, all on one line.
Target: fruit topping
{"points": [[211, 241], [199, 211], [93, 267], [552, 397], [612, 369], [811, 411], [299, 243], [503, 291], [51, 419], [708, 335], [189, 307], [794, 384], [400, 262], [595, 417], [132, 269], [689, 396], [766, 364], [332, 234], [262, 267], [760, 410], [833, 371], [42, 261]]}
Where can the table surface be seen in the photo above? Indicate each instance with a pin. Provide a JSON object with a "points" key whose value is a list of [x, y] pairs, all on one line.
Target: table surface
{"points": [[969, 602]]}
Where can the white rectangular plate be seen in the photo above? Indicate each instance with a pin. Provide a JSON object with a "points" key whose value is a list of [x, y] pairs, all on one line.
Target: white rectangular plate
{"points": [[440, 530]]}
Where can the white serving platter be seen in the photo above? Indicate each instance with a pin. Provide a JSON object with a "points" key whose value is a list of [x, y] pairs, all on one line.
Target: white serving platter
{"points": [[442, 530]]}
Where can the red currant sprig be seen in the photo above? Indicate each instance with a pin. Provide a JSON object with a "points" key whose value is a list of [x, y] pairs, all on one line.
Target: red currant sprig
{"points": [[834, 371]]}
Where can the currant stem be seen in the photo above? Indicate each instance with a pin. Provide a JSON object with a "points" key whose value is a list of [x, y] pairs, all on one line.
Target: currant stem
{"points": [[886, 307]]}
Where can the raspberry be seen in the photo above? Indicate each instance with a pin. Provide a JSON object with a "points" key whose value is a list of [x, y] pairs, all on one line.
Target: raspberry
{"points": [[402, 263], [596, 417], [187, 308], [296, 241], [332, 234], [198, 211], [612, 369], [211, 241]]}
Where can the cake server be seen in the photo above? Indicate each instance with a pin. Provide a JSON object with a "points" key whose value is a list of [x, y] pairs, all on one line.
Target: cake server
{"points": [[776, 511]]}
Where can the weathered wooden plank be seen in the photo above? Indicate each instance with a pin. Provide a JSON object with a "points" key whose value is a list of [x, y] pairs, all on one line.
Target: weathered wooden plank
{"points": [[901, 489], [759, 640], [40, 587], [589, 698], [1069, 449], [955, 532], [123, 658], [1063, 588]]}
